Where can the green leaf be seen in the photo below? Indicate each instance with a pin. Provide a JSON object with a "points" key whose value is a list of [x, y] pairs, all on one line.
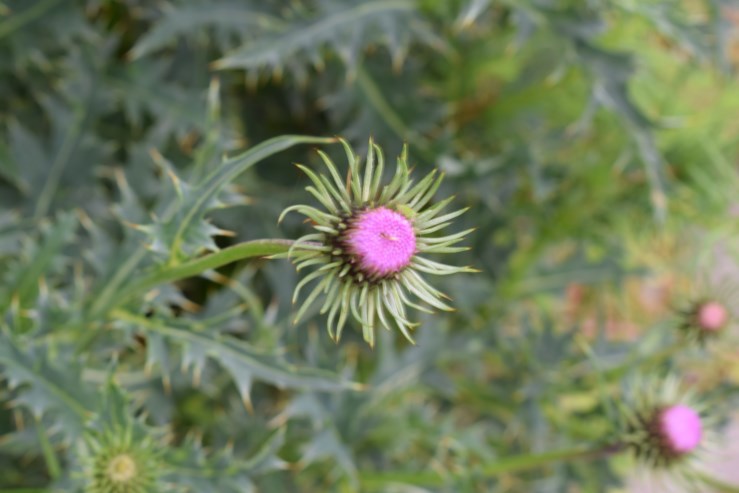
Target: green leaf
{"points": [[195, 471], [144, 89], [612, 72], [347, 27], [27, 158], [184, 20], [21, 284], [328, 445], [46, 387], [183, 232], [244, 362], [184, 219]]}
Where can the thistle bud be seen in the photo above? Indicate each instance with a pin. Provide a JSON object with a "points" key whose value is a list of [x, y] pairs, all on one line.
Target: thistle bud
{"points": [[711, 316], [706, 319], [119, 454]]}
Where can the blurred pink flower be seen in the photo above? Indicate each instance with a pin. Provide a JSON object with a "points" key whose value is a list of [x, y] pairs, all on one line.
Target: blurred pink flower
{"points": [[712, 316], [720, 462], [681, 429]]}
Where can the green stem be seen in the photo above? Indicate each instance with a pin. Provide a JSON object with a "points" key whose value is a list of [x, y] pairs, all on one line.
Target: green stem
{"points": [[504, 466], [52, 462], [533, 461], [165, 274], [108, 292], [241, 251], [636, 361]]}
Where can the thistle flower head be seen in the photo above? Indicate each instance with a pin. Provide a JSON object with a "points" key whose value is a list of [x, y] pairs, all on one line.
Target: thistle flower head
{"points": [[663, 425], [662, 436], [369, 245], [673, 438], [705, 311], [706, 319], [679, 429], [711, 315]]}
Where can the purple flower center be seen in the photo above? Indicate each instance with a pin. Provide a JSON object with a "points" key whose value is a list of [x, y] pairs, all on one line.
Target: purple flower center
{"points": [[681, 428], [712, 316], [382, 241]]}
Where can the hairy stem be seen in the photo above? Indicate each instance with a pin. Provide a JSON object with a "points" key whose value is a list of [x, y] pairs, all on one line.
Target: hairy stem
{"points": [[164, 274], [241, 251]]}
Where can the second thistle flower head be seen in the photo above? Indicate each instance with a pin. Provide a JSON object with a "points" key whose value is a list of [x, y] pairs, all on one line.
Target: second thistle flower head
{"points": [[706, 318], [369, 242], [664, 426], [706, 314]]}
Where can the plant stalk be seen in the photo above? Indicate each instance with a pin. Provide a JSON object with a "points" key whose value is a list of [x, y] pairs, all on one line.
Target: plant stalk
{"points": [[241, 251]]}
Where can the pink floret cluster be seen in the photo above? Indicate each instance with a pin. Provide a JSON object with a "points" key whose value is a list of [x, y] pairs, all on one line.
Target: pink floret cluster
{"points": [[712, 316], [681, 428], [382, 241]]}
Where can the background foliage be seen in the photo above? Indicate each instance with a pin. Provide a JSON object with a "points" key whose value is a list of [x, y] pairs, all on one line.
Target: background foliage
{"points": [[594, 141]]}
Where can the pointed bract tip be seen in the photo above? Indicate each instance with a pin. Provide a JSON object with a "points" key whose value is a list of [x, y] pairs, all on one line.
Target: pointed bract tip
{"points": [[156, 156], [246, 400]]}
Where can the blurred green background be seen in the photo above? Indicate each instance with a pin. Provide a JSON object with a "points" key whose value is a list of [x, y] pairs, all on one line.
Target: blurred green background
{"points": [[593, 140]]}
